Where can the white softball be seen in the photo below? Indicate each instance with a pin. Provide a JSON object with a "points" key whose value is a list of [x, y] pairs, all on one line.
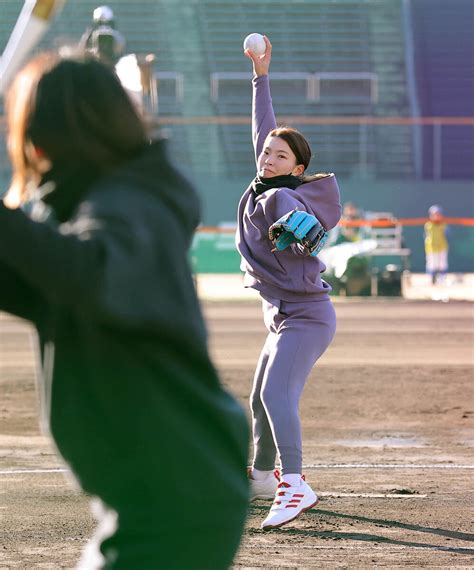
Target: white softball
{"points": [[256, 43]]}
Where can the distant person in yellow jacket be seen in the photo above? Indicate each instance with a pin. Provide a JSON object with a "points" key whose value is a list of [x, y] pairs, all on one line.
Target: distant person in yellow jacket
{"points": [[436, 245]]}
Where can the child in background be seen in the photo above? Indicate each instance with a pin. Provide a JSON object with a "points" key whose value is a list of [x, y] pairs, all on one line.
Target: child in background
{"points": [[436, 245]]}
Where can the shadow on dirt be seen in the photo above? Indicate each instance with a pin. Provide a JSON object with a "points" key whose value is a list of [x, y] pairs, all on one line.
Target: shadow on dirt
{"points": [[337, 535]]}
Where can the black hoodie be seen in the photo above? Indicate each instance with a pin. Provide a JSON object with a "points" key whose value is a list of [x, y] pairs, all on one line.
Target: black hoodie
{"points": [[134, 403]]}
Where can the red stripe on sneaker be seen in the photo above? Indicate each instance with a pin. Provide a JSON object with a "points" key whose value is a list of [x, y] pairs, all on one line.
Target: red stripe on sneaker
{"points": [[290, 506], [297, 495]]}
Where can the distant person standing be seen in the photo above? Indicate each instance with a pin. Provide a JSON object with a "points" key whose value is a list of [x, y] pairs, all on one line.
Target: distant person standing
{"points": [[347, 233], [103, 40], [436, 245]]}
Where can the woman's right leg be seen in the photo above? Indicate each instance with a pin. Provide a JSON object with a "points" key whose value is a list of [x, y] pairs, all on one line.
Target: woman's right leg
{"points": [[263, 442], [305, 334]]}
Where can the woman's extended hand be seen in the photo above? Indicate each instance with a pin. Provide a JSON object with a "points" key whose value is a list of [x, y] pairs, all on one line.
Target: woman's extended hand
{"points": [[261, 63]]}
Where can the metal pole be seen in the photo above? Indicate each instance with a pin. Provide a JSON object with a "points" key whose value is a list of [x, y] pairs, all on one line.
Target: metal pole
{"points": [[412, 88], [437, 150], [363, 149]]}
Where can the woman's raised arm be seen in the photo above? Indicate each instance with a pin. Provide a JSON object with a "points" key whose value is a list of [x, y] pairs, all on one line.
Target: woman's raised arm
{"points": [[263, 117]]}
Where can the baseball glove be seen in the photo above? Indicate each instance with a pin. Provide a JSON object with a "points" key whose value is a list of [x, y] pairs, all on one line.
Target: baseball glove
{"points": [[298, 227]]}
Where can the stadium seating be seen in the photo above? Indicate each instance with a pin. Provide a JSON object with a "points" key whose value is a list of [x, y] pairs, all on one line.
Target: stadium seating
{"points": [[444, 60], [317, 37], [194, 40]]}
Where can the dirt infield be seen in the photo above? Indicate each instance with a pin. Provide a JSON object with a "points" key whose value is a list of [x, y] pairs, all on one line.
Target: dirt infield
{"points": [[388, 421]]}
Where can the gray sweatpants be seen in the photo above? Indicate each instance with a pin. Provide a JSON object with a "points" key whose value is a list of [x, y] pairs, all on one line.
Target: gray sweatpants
{"points": [[298, 334]]}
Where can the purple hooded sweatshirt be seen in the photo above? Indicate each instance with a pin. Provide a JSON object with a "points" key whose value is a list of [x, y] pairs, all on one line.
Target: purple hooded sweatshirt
{"points": [[291, 274]]}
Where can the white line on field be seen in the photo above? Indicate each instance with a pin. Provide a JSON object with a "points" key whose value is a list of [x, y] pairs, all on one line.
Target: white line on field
{"points": [[28, 471], [387, 466], [341, 546], [315, 466], [325, 494], [373, 495]]}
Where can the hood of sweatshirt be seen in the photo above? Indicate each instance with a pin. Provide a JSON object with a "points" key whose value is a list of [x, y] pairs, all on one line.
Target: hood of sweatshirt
{"points": [[150, 171]]}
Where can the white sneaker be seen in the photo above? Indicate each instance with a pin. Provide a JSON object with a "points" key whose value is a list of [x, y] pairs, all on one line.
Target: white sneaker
{"points": [[265, 488], [290, 501]]}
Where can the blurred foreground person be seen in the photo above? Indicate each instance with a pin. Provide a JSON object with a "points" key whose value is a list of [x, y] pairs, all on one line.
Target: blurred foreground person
{"points": [[99, 265]]}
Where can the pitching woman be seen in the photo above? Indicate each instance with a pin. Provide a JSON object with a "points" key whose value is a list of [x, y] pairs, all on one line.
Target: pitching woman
{"points": [[297, 310], [100, 267]]}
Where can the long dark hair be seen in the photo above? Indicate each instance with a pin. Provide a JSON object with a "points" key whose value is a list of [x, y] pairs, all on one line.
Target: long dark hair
{"points": [[75, 112]]}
